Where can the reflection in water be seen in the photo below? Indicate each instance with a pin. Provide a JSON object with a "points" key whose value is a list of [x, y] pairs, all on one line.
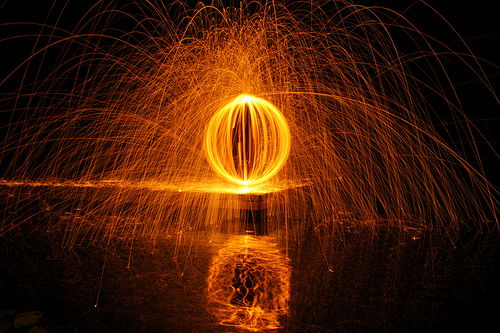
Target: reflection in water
{"points": [[249, 283]]}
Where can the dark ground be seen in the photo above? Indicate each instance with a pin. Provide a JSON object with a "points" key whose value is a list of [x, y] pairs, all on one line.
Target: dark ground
{"points": [[362, 280]]}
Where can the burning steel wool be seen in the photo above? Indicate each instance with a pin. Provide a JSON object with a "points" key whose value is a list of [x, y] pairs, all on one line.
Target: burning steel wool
{"points": [[247, 141]]}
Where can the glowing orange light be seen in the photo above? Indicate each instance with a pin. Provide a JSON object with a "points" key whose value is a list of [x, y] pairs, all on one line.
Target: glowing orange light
{"points": [[249, 284], [247, 141]]}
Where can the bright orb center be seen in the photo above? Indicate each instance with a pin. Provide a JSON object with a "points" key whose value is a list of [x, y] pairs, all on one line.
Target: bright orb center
{"points": [[247, 141]]}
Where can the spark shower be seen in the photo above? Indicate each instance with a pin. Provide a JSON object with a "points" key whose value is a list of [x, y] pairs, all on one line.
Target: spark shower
{"points": [[129, 97], [131, 114]]}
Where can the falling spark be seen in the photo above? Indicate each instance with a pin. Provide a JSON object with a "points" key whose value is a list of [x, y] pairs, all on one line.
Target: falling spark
{"points": [[139, 123]]}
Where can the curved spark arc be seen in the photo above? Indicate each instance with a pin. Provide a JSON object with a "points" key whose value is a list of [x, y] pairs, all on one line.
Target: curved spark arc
{"points": [[247, 141], [363, 137]]}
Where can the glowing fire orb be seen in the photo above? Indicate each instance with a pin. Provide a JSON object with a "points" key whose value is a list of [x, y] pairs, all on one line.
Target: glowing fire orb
{"points": [[247, 141]]}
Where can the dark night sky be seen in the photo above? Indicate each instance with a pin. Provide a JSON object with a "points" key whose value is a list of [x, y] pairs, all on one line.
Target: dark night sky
{"points": [[475, 20], [471, 18]]}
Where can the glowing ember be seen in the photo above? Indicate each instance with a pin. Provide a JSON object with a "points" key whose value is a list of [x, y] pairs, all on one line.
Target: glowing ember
{"points": [[247, 141]]}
